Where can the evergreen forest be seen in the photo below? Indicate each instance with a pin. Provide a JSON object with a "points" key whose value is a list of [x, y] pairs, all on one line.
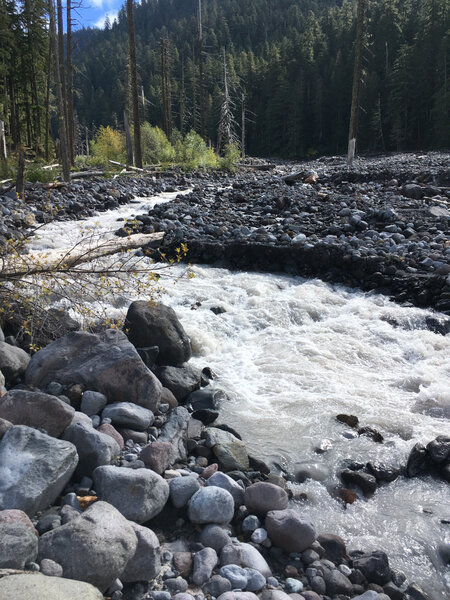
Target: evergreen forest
{"points": [[285, 65]]}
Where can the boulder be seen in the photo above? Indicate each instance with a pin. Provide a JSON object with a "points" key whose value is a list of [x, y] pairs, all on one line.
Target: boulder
{"points": [[366, 482], [374, 566], [13, 362], [157, 456], [289, 531], [334, 547], [145, 564], [211, 505], [230, 451], [244, 555], [95, 547], [4, 426], [182, 489], [181, 381], [262, 497], [236, 595], [129, 415], [17, 516], [214, 536], [224, 481], [438, 449], [216, 586], [236, 575], [139, 494], [108, 429], [36, 409], [154, 324], [34, 586], [34, 468], [174, 431], [94, 447], [105, 362], [19, 545]]}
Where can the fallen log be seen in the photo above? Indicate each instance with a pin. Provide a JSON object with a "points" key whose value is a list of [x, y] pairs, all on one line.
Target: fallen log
{"points": [[118, 164], [81, 174], [66, 260], [264, 167]]}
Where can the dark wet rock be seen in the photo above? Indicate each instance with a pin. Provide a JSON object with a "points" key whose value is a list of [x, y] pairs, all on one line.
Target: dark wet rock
{"points": [[366, 482], [415, 592], [206, 398], [289, 531], [383, 472], [154, 324], [181, 381], [34, 468], [438, 449], [334, 547], [138, 494], [104, 362], [349, 420], [95, 548], [337, 583], [36, 409], [418, 461], [372, 433], [374, 566]]}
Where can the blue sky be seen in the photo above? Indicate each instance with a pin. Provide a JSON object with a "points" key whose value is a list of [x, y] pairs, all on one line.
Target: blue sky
{"points": [[93, 12]]}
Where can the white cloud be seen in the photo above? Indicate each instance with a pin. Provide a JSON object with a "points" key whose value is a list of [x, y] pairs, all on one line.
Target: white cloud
{"points": [[112, 14], [102, 3]]}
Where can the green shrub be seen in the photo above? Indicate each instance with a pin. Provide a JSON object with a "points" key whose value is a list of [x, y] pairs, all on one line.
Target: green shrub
{"points": [[192, 152], [36, 173], [156, 148], [107, 145], [231, 155]]}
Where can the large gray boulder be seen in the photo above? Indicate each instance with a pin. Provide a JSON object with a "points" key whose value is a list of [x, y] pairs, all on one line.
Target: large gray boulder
{"points": [[35, 586], [18, 546], [34, 468], [105, 362], [94, 447], [36, 409], [145, 564], [154, 324], [229, 450], [139, 494], [129, 415], [13, 362], [289, 531], [181, 381], [211, 505], [182, 489], [222, 480], [95, 547]]}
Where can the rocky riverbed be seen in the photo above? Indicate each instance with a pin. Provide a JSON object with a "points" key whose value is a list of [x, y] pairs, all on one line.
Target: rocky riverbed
{"points": [[118, 478], [116, 472]]}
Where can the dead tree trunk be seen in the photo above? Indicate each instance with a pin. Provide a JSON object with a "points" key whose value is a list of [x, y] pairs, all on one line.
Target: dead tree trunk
{"points": [[130, 154], [59, 96], [134, 86], [20, 181], [47, 102], [357, 75], [182, 98], [62, 64], [3, 153]]}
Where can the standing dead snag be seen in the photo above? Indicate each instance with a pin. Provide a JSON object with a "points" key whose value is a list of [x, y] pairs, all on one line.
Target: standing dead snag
{"points": [[357, 75], [134, 86]]}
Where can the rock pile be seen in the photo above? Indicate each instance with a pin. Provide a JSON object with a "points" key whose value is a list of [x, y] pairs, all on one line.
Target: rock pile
{"points": [[115, 482]]}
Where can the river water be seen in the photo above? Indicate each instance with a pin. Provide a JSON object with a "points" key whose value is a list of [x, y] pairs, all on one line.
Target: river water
{"points": [[292, 354]]}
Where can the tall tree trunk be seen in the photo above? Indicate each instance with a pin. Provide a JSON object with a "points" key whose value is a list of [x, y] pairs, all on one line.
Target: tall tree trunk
{"points": [[182, 98], [14, 123], [61, 121], [47, 102], [34, 92], [70, 115], [130, 154], [194, 92], [243, 127], [200, 72], [166, 92], [134, 87], [62, 65], [20, 180], [357, 75]]}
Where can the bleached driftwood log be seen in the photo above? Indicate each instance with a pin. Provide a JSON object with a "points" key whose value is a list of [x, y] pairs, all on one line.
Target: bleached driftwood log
{"points": [[21, 265]]}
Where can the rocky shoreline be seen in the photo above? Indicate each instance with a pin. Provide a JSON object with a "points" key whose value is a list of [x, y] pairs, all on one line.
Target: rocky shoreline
{"points": [[117, 478], [115, 472]]}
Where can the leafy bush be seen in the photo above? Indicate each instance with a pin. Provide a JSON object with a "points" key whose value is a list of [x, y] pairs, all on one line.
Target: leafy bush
{"points": [[37, 173], [107, 145], [156, 148], [193, 152], [231, 155]]}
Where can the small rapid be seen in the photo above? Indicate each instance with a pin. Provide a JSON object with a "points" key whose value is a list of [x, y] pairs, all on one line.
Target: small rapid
{"points": [[292, 354]]}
